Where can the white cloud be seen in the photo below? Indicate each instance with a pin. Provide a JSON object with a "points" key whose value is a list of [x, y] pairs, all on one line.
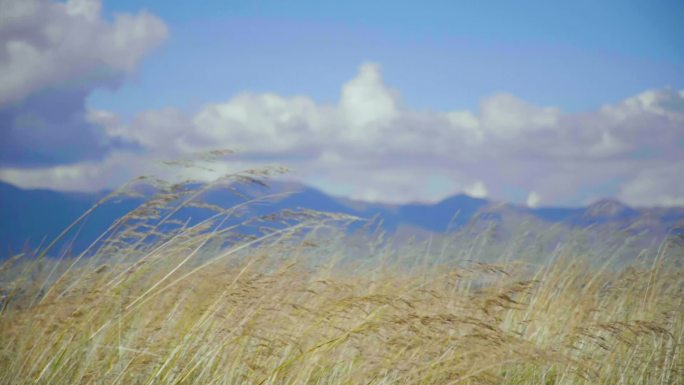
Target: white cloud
{"points": [[84, 176], [476, 190], [660, 185], [115, 169], [371, 146], [468, 125], [52, 55], [367, 104], [505, 116], [266, 123], [668, 103], [47, 43], [533, 199]]}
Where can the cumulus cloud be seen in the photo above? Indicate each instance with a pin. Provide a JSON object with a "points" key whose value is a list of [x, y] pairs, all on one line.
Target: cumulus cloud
{"points": [[367, 105], [370, 145], [660, 185], [47, 43], [476, 190], [533, 199], [505, 117], [52, 55]]}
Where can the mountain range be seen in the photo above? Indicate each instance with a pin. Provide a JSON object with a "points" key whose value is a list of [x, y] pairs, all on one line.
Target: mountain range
{"points": [[29, 218]]}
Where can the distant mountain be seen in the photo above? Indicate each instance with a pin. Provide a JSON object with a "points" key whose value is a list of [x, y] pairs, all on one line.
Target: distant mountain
{"points": [[615, 214], [454, 211], [30, 217]]}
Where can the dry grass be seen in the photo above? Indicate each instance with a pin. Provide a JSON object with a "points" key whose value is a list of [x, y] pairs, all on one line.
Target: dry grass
{"points": [[255, 322], [202, 305]]}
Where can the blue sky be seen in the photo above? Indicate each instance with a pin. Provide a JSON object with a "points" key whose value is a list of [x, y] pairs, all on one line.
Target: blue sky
{"points": [[441, 55], [534, 102]]}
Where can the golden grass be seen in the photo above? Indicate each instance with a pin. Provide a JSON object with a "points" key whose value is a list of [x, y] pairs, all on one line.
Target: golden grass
{"points": [[258, 321], [157, 301]]}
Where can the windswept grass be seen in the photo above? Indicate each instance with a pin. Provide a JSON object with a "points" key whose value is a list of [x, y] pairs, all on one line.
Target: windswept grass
{"points": [[283, 304]]}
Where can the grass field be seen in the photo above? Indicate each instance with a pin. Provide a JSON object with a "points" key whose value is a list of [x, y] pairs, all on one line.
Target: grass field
{"points": [[159, 301]]}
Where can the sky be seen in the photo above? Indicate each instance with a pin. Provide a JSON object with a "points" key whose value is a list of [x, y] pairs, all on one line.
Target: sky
{"points": [[532, 102]]}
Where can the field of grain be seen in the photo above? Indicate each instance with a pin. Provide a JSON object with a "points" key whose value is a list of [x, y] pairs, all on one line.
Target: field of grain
{"points": [[280, 301]]}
